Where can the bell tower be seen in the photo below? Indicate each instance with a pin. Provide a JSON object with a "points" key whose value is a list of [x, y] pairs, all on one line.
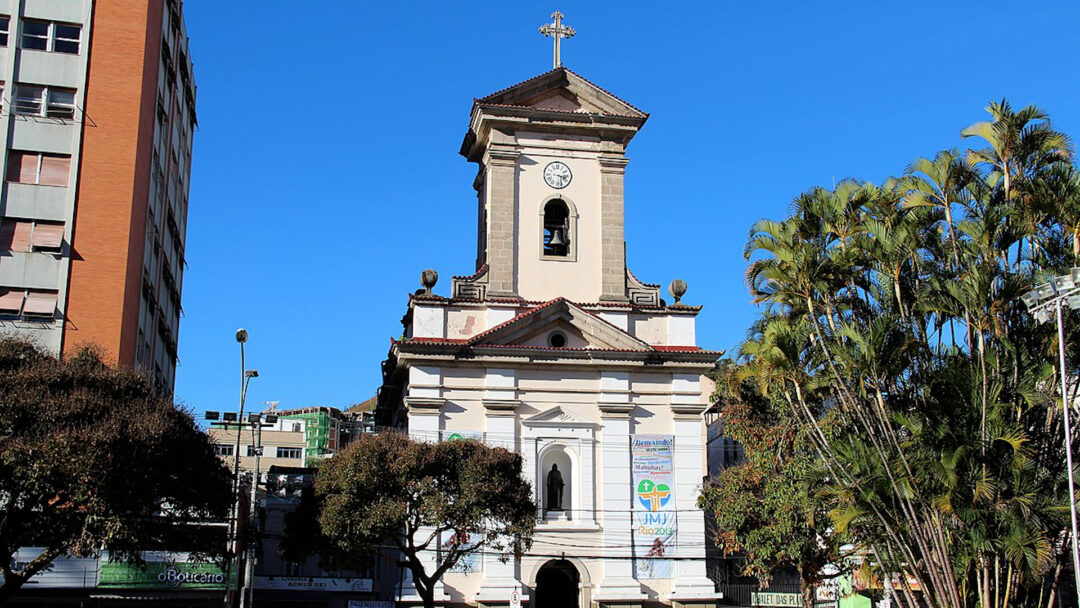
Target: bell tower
{"points": [[551, 155]]}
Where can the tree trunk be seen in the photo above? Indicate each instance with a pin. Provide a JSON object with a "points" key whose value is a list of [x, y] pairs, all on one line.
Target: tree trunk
{"points": [[427, 593], [11, 585], [806, 590], [13, 581]]}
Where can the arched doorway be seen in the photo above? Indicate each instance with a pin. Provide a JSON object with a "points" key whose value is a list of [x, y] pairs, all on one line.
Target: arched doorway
{"points": [[556, 585]]}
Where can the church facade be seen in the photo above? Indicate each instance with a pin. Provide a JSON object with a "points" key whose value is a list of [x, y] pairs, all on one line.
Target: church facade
{"points": [[554, 349]]}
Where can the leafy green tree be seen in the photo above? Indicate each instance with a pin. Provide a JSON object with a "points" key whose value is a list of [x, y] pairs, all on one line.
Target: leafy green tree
{"points": [[92, 458], [766, 509], [386, 494], [898, 339]]}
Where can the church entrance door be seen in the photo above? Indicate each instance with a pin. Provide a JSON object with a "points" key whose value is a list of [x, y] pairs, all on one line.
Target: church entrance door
{"points": [[557, 585]]}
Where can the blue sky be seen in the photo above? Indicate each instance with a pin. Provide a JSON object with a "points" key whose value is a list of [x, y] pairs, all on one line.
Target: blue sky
{"points": [[326, 174]]}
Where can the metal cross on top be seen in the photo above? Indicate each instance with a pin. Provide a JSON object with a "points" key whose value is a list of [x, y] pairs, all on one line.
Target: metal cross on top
{"points": [[557, 31]]}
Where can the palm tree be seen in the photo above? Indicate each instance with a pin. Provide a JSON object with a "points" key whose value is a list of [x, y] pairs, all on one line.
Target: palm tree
{"points": [[1020, 147]]}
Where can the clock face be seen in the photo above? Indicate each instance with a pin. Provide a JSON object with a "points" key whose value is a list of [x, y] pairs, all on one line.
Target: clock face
{"points": [[557, 175]]}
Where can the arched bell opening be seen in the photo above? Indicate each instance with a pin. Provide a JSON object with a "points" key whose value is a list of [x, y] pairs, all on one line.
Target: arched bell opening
{"points": [[556, 236]]}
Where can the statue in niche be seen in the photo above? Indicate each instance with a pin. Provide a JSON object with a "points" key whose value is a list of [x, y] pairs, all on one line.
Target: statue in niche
{"points": [[554, 489]]}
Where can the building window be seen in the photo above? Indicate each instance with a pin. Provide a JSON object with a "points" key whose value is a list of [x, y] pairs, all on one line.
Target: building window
{"points": [[51, 102], [35, 35], [66, 38], [296, 453], [49, 36], [30, 304], [11, 301], [222, 449], [557, 339], [15, 234], [29, 235], [60, 104], [556, 232], [39, 305], [38, 168], [250, 451], [47, 236], [5, 24]]}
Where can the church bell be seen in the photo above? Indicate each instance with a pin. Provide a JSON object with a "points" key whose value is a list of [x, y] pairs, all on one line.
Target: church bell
{"points": [[557, 238]]}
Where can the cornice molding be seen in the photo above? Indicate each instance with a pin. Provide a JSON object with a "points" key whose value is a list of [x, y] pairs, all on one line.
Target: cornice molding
{"points": [[424, 404]]}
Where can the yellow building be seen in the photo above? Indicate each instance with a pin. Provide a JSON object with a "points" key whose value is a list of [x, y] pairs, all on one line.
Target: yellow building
{"points": [[283, 444]]}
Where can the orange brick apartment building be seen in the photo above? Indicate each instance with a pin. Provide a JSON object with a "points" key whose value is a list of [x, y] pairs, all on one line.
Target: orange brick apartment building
{"points": [[99, 113]]}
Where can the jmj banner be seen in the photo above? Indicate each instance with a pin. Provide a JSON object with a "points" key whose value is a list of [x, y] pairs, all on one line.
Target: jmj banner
{"points": [[652, 475], [470, 562]]}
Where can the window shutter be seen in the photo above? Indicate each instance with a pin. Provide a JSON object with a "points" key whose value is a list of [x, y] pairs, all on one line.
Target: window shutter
{"points": [[54, 170]]}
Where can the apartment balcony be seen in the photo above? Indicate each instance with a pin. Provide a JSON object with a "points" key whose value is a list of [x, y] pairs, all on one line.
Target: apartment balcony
{"points": [[69, 11], [38, 134], [32, 270], [37, 202], [54, 69]]}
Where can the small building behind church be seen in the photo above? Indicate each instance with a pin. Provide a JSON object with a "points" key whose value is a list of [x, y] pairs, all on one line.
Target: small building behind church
{"points": [[551, 347]]}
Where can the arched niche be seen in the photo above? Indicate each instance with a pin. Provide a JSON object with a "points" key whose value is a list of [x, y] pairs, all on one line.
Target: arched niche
{"points": [[565, 459]]}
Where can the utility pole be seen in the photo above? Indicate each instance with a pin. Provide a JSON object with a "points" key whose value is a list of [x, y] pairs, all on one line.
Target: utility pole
{"points": [[249, 571]]}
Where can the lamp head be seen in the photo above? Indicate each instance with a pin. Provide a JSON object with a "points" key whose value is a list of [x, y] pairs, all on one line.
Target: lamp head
{"points": [[1046, 291], [241, 335], [251, 373], [1064, 282], [1030, 299]]}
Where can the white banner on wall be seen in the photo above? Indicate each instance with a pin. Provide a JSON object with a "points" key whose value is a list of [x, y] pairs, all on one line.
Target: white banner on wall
{"points": [[653, 479], [313, 583], [470, 562]]}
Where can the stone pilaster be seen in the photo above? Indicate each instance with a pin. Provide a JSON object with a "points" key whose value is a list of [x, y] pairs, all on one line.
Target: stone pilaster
{"points": [[500, 419], [425, 414], [502, 222], [618, 585], [612, 233], [692, 586]]}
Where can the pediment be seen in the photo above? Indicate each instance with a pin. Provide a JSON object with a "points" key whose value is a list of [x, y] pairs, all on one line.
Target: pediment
{"points": [[582, 329], [564, 91], [555, 417]]}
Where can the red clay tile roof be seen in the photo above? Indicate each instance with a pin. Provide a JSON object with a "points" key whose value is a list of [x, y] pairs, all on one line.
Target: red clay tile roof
{"points": [[472, 277], [516, 318], [476, 341], [633, 276]]}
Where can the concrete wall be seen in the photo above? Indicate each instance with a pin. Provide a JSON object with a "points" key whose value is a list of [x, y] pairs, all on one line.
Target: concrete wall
{"points": [[41, 271], [583, 437]]}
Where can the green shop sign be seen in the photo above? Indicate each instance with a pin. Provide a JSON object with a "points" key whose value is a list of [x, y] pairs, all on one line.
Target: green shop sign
{"points": [[161, 575]]}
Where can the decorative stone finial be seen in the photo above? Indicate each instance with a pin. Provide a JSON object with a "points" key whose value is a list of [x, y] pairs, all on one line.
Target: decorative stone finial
{"points": [[677, 289], [428, 279]]}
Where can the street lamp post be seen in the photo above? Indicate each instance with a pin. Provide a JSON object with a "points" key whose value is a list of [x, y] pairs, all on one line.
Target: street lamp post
{"points": [[256, 421], [245, 379], [1055, 295]]}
